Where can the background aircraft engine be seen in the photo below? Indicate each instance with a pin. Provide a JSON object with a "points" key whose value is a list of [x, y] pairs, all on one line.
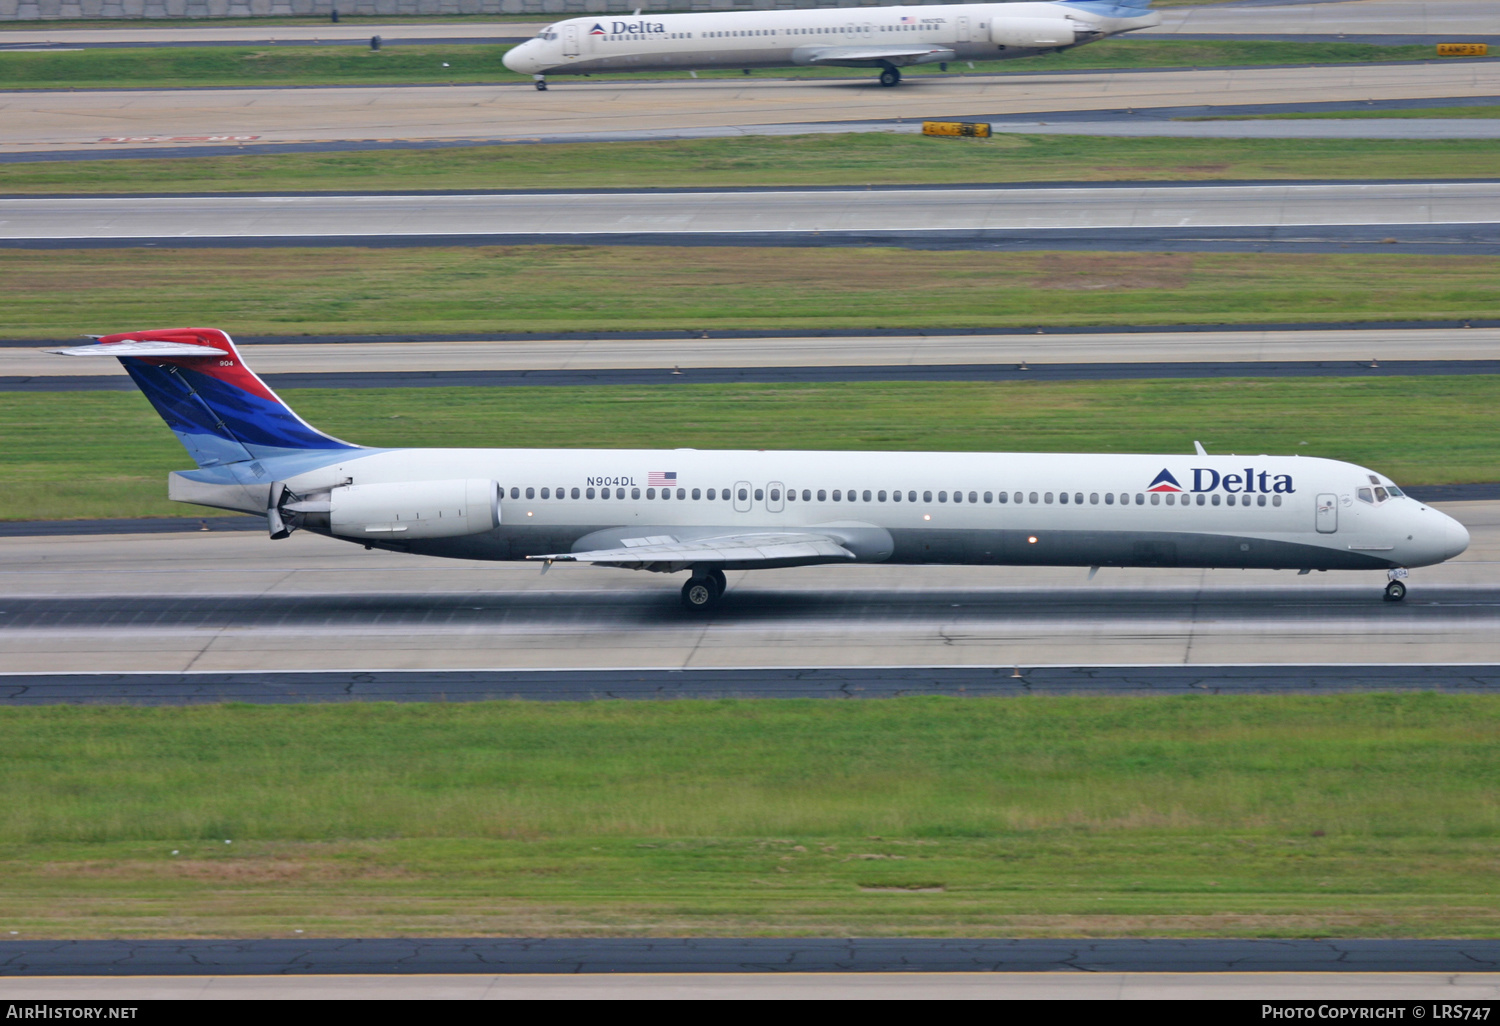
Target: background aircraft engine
{"points": [[1032, 33], [414, 509]]}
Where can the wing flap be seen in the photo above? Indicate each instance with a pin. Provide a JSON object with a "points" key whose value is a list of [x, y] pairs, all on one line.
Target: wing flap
{"points": [[861, 56], [737, 548]]}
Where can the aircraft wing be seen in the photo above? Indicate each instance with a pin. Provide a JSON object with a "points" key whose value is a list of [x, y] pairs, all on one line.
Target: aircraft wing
{"points": [[665, 550], [865, 56]]}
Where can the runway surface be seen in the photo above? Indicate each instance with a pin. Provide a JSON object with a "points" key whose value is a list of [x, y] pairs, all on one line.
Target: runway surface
{"points": [[32, 122], [1472, 987], [760, 955], [1450, 209], [293, 688], [349, 379], [236, 602], [1052, 350]]}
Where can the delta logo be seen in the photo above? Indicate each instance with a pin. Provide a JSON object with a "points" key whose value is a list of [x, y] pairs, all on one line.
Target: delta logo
{"points": [[1206, 479], [1164, 482], [597, 30]]}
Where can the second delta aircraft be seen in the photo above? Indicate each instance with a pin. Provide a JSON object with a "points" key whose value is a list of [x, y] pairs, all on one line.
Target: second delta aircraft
{"points": [[888, 38]]}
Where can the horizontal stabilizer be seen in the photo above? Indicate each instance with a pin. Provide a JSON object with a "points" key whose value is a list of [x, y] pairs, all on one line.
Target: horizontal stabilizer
{"points": [[736, 548], [148, 348]]}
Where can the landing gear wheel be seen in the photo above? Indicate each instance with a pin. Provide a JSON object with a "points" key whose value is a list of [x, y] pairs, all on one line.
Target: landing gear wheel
{"points": [[699, 594], [1395, 591], [890, 76], [541, 84], [716, 578]]}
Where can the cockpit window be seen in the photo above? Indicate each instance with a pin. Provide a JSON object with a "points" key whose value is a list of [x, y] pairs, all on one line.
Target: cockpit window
{"points": [[1396, 493], [1366, 496], [550, 32], [1381, 495]]}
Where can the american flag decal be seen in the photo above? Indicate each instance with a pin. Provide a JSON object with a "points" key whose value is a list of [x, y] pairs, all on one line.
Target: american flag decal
{"points": [[662, 479]]}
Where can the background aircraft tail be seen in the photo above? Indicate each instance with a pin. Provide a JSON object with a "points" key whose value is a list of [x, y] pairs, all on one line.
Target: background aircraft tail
{"points": [[218, 407]]}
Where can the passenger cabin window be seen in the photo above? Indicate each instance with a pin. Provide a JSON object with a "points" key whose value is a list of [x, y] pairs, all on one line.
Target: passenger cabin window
{"points": [[822, 495], [574, 493]]}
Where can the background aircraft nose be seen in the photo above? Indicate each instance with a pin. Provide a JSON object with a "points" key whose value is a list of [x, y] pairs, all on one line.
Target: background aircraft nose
{"points": [[515, 55]]}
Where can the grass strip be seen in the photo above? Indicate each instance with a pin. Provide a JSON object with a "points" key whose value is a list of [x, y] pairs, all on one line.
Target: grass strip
{"points": [[316, 291], [1351, 815], [107, 454], [196, 67], [867, 158]]}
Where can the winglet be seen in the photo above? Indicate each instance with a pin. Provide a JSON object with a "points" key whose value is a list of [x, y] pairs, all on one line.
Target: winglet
{"points": [[1198, 448]]}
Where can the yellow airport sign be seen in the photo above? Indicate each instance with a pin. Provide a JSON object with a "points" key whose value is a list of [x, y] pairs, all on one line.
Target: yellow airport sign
{"points": [[1463, 50], [976, 129]]}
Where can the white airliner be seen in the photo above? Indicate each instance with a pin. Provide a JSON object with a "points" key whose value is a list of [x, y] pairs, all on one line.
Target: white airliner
{"points": [[889, 38], [706, 512]]}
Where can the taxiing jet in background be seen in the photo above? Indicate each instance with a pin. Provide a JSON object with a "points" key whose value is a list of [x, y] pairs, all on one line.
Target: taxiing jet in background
{"points": [[888, 38]]}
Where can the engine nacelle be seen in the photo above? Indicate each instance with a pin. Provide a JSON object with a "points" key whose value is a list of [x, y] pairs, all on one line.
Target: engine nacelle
{"points": [[414, 509], [1032, 33]]}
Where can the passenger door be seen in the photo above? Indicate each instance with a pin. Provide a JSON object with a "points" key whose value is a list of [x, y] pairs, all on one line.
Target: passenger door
{"points": [[570, 40], [1328, 514], [774, 500], [742, 496], [963, 30]]}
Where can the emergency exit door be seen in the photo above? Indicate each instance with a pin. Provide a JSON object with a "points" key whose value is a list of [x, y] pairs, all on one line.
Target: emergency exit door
{"points": [[742, 498], [1328, 514]]}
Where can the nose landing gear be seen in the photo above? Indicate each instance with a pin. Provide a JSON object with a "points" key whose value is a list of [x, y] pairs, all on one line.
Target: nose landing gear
{"points": [[890, 75], [541, 82], [703, 590], [1395, 591]]}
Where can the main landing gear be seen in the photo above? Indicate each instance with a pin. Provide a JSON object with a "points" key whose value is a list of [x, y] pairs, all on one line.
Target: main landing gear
{"points": [[890, 75], [541, 82], [1395, 591], [703, 590]]}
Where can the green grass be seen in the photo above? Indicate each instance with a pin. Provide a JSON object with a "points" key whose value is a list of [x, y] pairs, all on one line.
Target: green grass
{"points": [[869, 158], [1356, 815], [152, 68], [107, 454], [316, 291]]}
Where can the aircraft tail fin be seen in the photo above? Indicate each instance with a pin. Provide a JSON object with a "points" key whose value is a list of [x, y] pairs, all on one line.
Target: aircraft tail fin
{"points": [[219, 408]]}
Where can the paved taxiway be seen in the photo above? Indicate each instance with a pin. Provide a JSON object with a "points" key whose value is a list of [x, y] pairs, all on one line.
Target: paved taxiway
{"points": [[236, 602], [489, 956], [1333, 345], [52, 121], [347, 379], [925, 211], [292, 687], [1287, 987]]}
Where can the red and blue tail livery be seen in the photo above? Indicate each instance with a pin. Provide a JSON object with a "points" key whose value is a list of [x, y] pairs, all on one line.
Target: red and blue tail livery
{"points": [[220, 409]]}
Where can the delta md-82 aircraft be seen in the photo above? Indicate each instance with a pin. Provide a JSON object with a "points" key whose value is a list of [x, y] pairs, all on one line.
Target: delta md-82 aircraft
{"points": [[888, 38], [705, 512]]}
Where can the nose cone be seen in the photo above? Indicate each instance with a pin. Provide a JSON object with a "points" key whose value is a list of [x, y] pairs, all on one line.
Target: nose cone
{"points": [[1455, 538], [517, 58]]}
